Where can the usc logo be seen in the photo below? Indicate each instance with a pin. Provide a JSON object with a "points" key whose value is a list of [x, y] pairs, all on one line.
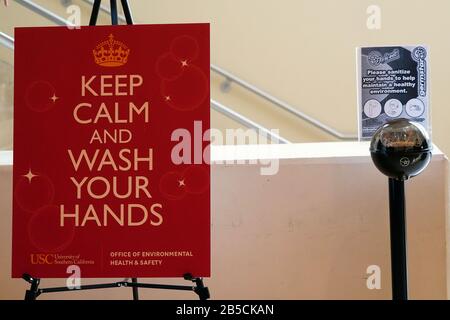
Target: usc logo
{"points": [[42, 258]]}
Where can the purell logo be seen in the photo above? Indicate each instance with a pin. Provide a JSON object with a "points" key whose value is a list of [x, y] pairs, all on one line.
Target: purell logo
{"points": [[404, 162], [419, 54], [375, 58]]}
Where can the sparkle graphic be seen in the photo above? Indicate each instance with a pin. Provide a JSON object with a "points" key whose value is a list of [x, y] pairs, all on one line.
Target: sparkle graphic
{"points": [[181, 183], [54, 98], [30, 175], [184, 63], [167, 98]]}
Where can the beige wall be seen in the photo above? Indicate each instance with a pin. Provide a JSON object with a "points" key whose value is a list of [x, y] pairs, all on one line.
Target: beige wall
{"points": [[292, 235], [304, 52], [300, 51]]}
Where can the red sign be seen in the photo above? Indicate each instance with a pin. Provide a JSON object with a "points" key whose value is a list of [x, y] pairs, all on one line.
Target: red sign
{"points": [[111, 151]]}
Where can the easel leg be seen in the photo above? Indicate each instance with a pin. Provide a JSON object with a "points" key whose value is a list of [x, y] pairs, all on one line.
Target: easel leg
{"points": [[114, 14], [33, 292], [135, 289], [94, 13], [127, 11], [199, 289]]}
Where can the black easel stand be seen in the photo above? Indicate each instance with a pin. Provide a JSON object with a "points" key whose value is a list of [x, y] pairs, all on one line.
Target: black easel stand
{"points": [[199, 288], [114, 15], [398, 239]]}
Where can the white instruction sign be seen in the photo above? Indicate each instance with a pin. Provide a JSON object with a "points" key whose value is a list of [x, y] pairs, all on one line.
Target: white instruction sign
{"points": [[392, 83]]}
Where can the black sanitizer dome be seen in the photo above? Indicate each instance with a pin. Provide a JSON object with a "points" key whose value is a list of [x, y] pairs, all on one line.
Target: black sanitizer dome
{"points": [[401, 149]]}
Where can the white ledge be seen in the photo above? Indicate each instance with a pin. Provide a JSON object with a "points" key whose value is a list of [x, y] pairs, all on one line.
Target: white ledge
{"points": [[317, 150]]}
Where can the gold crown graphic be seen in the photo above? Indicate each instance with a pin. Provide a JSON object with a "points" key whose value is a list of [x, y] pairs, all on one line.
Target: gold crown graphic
{"points": [[111, 53]]}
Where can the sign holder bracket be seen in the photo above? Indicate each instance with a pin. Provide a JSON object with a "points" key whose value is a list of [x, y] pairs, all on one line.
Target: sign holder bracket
{"points": [[198, 287]]}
